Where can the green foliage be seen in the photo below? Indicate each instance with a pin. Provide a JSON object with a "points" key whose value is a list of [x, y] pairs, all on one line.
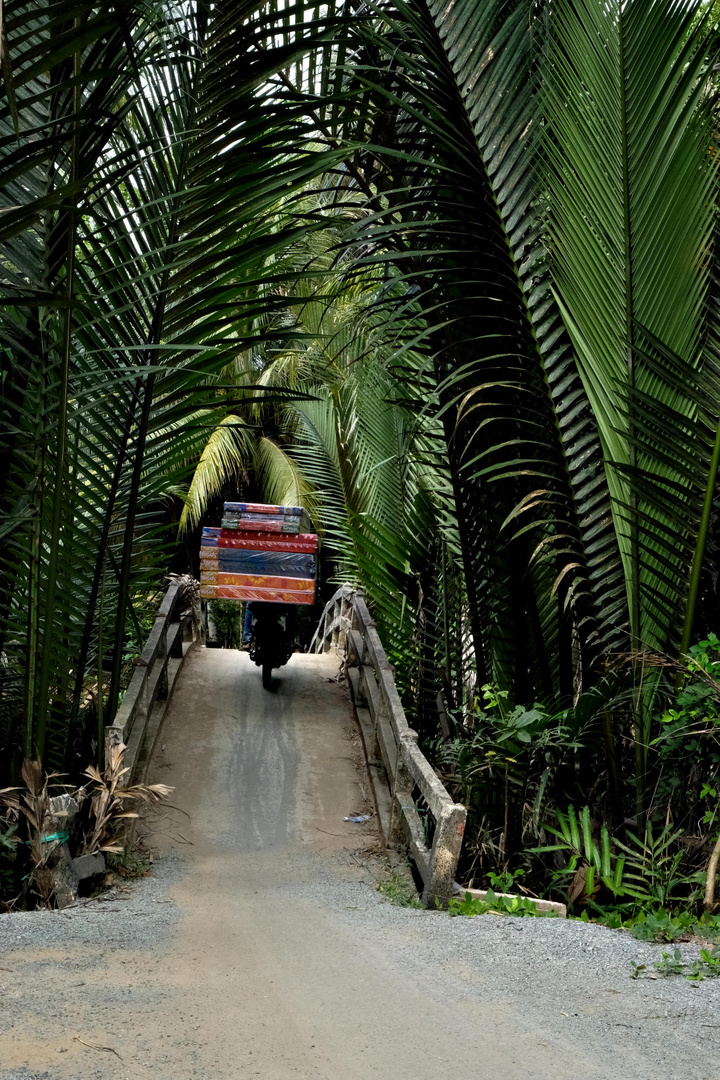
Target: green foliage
{"points": [[128, 284], [225, 456], [656, 924], [227, 620], [638, 873], [503, 766], [687, 744], [707, 967], [660, 926], [129, 864], [468, 312], [599, 864], [505, 881], [397, 887], [8, 851], [498, 905], [697, 704], [654, 867]]}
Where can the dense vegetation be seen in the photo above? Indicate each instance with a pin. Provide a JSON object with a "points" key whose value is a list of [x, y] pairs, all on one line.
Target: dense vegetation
{"points": [[446, 274]]}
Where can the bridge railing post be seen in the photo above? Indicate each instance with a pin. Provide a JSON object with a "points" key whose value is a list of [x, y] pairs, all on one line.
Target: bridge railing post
{"points": [[337, 611], [401, 792], [449, 832]]}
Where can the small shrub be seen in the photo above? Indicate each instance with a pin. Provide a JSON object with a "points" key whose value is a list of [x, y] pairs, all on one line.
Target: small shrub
{"points": [[129, 864], [226, 620], [399, 889], [707, 967]]}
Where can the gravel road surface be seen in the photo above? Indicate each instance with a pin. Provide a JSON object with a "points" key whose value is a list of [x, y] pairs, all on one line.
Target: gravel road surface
{"points": [[259, 945]]}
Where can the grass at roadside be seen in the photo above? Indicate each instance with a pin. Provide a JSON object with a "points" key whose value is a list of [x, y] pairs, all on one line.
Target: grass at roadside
{"points": [[397, 885]]}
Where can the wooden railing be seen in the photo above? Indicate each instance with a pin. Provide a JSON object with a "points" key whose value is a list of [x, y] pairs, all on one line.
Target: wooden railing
{"points": [[421, 813], [143, 706]]}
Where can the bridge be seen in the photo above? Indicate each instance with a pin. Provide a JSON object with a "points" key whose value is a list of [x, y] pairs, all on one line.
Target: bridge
{"points": [[414, 811], [260, 946]]}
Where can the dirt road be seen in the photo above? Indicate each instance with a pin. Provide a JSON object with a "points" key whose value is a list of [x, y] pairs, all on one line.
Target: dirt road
{"points": [[260, 947]]}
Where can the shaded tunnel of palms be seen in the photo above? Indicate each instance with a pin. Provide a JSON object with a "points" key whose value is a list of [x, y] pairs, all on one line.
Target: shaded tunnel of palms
{"points": [[448, 277]]}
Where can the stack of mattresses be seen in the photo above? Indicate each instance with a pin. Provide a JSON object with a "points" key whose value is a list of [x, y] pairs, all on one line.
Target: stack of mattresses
{"points": [[260, 553]]}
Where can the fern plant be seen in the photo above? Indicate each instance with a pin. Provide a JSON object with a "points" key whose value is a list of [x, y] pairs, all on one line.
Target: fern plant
{"points": [[639, 872]]}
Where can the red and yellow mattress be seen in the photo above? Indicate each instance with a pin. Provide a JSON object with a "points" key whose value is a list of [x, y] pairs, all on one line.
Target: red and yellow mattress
{"points": [[246, 592]]}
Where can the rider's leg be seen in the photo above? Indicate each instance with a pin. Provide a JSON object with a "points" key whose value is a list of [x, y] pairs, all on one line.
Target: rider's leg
{"points": [[247, 624]]}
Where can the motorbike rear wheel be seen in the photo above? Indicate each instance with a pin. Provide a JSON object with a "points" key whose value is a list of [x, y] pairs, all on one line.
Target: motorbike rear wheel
{"points": [[267, 675]]}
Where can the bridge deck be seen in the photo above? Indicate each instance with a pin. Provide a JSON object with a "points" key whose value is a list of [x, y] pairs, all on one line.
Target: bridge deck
{"points": [[261, 771]]}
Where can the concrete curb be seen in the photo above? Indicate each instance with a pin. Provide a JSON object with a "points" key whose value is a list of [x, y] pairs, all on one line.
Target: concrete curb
{"points": [[541, 905]]}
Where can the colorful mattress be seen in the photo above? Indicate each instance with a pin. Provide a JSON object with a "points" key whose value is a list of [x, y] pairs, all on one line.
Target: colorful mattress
{"points": [[244, 592], [281, 563], [291, 519], [262, 508], [259, 581], [257, 523], [253, 541]]}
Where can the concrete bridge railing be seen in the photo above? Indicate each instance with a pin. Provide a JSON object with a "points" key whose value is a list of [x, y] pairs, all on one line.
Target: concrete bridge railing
{"points": [[175, 631], [421, 814]]}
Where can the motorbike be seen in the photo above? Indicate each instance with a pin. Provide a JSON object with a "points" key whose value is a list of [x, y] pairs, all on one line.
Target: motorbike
{"points": [[272, 636]]}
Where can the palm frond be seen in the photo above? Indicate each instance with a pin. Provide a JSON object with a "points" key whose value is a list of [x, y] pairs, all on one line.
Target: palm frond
{"points": [[226, 455], [627, 152], [281, 479]]}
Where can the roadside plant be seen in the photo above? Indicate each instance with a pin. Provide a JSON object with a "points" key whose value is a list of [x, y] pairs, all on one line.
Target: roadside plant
{"points": [[661, 926], [106, 816], [471, 905], [656, 925], [397, 886], [128, 864], [590, 864], [706, 967], [688, 752], [29, 806], [503, 764], [653, 868], [638, 873], [98, 826], [688, 741], [505, 881]]}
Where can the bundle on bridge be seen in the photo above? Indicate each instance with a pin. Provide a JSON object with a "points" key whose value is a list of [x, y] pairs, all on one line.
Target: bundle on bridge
{"points": [[260, 552]]}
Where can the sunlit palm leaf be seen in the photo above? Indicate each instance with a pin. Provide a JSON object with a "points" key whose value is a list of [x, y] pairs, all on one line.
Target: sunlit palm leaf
{"points": [[226, 454]]}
